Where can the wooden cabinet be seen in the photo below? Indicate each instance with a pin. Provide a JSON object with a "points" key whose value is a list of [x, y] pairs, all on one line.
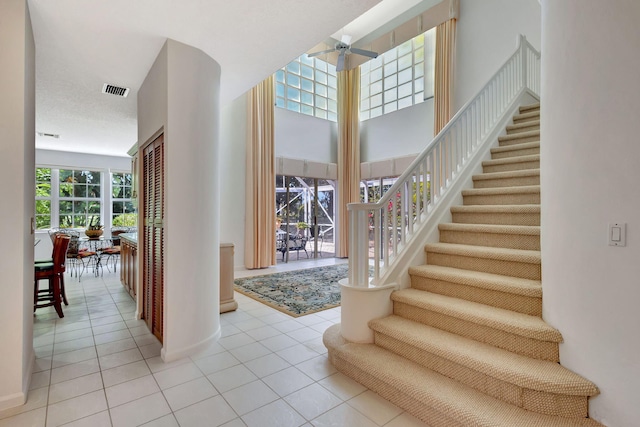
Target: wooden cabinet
{"points": [[151, 237], [129, 263]]}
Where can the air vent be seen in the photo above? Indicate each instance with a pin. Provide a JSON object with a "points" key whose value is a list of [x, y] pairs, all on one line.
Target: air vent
{"points": [[115, 90], [49, 135]]}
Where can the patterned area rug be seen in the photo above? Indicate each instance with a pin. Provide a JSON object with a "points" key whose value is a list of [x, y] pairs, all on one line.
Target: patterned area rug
{"points": [[297, 292]]}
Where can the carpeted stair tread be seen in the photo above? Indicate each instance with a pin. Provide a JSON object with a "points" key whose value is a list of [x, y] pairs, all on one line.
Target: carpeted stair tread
{"points": [[519, 126], [504, 365], [523, 325], [515, 147], [528, 189], [524, 117], [510, 160], [509, 209], [522, 135], [508, 174], [494, 282], [527, 230], [413, 387], [529, 108], [486, 252]]}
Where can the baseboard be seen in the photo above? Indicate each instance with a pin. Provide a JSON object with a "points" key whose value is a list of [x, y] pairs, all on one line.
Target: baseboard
{"points": [[19, 399]]}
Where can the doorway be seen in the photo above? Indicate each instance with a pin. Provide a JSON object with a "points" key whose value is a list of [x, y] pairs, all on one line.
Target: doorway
{"points": [[305, 218]]}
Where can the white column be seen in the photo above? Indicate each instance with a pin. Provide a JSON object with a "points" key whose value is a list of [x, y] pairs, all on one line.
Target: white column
{"points": [[590, 177], [17, 170], [181, 94]]}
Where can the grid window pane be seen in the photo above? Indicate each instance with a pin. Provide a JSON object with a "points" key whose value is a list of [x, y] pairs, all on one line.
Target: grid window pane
{"points": [[391, 95], [307, 98], [405, 90], [307, 72], [307, 85], [321, 90], [293, 81], [322, 114], [300, 84], [401, 69]]}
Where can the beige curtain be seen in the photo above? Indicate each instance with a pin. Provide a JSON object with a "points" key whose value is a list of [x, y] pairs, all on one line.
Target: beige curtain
{"points": [[260, 216], [348, 152], [444, 73]]}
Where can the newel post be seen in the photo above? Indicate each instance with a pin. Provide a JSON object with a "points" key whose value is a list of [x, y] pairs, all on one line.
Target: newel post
{"points": [[523, 54], [361, 301]]}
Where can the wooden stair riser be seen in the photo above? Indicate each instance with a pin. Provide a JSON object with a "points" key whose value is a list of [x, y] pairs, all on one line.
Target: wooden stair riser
{"points": [[507, 182], [515, 153], [394, 395], [510, 167], [524, 270], [497, 218], [494, 240], [532, 400], [508, 301], [527, 117], [523, 127], [505, 141], [502, 199], [529, 347]]}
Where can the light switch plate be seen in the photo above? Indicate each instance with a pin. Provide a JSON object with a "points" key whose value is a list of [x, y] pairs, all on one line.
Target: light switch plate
{"points": [[618, 234]]}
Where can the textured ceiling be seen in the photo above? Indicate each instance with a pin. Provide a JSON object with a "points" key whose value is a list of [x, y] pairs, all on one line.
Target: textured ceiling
{"points": [[82, 44]]}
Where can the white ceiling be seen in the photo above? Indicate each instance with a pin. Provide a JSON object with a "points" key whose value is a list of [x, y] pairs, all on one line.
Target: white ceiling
{"points": [[82, 44]]}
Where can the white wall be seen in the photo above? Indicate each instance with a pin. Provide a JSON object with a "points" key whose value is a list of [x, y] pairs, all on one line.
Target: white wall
{"points": [[487, 33], [233, 137], [397, 134], [181, 94], [17, 153], [299, 136], [590, 178], [82, 160]]}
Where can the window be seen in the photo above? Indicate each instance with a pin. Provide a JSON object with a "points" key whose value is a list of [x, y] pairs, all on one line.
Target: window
{"points": [[396, 79], [43, 198], [122, 209], [79, 198], [308, 86]]}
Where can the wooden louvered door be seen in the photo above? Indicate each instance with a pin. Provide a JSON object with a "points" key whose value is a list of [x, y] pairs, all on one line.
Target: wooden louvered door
{"points": [[153, 236]]}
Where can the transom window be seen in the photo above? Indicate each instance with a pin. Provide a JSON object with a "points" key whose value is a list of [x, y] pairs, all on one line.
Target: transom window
{"points": [[398, 78], [308, 86]]}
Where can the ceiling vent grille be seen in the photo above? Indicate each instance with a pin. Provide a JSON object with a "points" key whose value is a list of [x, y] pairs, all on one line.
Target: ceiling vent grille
{"points": [[49, 135], [115, 90]]}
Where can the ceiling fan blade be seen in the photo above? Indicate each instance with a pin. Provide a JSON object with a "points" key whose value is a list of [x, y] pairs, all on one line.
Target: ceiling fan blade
{"points": [[363, 52], [340, 64], [346, 39], [322, 52]]}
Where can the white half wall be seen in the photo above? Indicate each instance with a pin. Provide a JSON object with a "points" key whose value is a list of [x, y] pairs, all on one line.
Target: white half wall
{"points": [[590, 176], [186, 82], [486, 34], [303, 137], [401, 133], [17, 160]]}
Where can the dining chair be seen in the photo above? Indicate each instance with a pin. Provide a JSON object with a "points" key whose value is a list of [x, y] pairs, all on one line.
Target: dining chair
{"points": [[53, 272]]}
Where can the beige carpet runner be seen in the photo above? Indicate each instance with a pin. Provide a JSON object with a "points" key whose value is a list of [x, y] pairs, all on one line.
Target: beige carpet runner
{"points": [[466, 344]]}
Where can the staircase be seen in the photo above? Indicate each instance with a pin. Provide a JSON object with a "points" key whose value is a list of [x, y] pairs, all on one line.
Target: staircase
{"points": [[466, 344]]}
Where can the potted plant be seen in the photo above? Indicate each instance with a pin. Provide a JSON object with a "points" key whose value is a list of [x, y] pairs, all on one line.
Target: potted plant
{"points": [[302, 227], [94, 229]]}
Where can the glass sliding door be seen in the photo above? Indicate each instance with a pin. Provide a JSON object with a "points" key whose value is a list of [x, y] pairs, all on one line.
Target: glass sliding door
{"points": [[305, 212]]}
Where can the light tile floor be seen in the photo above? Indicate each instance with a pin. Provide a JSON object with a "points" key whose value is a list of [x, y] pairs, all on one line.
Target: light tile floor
{"points": [[99, 366]]}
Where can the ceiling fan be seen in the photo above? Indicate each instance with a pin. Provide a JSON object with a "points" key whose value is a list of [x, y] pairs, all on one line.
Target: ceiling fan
{"points": [[344, 48]]}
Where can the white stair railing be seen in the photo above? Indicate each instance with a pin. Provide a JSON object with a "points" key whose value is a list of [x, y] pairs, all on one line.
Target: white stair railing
{"points": [[380, 231]]}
